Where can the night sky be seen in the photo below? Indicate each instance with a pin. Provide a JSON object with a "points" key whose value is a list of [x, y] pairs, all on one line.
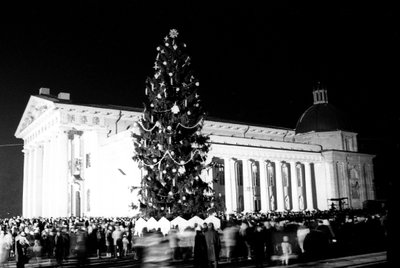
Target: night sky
{"points": [[256, 64]]}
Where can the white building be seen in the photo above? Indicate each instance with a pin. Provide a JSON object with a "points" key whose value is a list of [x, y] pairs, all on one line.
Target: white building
{"points": [[78, 160]]}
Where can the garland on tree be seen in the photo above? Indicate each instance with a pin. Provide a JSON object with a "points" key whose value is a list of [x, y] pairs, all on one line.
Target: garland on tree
{"points": [[170, 146]]}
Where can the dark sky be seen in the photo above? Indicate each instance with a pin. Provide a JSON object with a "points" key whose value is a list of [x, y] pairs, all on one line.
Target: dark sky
{"points": [[256, 64]]}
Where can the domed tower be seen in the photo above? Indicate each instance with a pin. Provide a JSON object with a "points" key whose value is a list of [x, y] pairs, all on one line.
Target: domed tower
{"points": [[323, 124]]}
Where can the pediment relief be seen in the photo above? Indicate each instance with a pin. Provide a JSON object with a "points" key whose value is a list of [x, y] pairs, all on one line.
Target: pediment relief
{"points": [[34, 109]]}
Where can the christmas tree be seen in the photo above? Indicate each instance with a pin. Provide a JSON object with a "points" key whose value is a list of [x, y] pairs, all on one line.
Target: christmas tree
{"points": [[170, 146]]}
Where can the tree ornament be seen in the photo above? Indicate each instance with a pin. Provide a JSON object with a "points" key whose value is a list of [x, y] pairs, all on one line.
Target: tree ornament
{"points": [[159, 96], [152, 105], [181, 170], [154, 160], [170, 193], [189, 113], [165, 63], [175, 109], [173, 33], [175, 47], [174, 170], [183, 198], [166, 44], [170, 74], [197, 84], [158, 48], [177, 89]]}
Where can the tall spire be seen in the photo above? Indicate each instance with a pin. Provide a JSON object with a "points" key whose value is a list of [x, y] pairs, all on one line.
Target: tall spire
{"points": [[320, 94]]}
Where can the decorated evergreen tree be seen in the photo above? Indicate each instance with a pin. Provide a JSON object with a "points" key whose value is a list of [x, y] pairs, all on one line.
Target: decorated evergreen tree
{"points": [[170, 146]]}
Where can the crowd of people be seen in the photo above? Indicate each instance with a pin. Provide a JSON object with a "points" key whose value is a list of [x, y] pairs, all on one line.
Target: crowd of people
{"points": [[281, 238]]}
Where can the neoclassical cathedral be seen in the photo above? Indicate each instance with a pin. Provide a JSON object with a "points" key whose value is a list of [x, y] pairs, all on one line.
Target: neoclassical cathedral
{"points": [[78, 160]]}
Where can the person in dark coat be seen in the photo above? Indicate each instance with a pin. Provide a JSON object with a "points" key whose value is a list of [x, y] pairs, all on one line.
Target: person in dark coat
{"points": [[59, 247], [21, 248], [213, 244], [200, 258], [259, 246], [316, 245]]}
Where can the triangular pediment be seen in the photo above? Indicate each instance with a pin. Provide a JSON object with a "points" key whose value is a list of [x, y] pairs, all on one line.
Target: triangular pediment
{"points": [[35, 108]]}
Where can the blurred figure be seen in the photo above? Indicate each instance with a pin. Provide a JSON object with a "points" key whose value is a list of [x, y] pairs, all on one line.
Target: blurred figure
{"points": [[230, 236], [37, 251], [302, 231], [5, 246], [81, 248], [286, 250], [109, 242], [117, 238], [213, 245], [125, 244], [156, 251], [186, 243], [200, 258], [173, 243]]}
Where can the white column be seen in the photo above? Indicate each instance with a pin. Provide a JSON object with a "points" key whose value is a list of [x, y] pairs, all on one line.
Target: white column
{"points": [[37, 184], [279, 186], [25, 183], [263, 187], [309, 193], [61, 169], [294, 185], [31, 178], [46, 180], [234, 185], [228, 185], [247, 187]]}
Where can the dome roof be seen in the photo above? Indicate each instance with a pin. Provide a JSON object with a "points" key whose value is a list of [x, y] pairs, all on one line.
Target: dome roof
{"points": [[321, 117]]}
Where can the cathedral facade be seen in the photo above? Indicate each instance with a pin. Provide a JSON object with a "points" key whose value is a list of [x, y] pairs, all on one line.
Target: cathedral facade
{"points": [[78, 161]]}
